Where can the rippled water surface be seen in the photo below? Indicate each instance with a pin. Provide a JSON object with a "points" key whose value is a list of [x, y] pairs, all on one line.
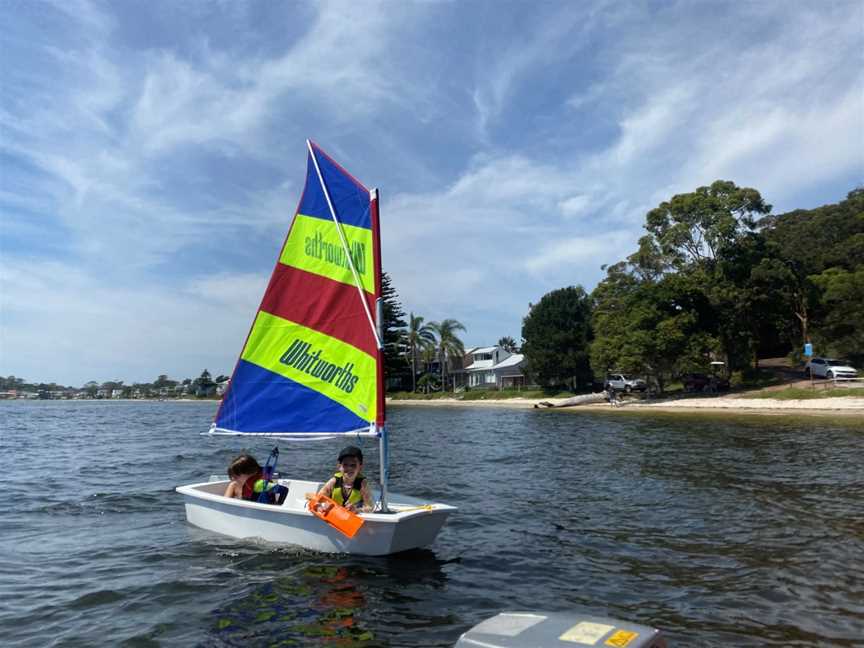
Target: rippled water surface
{"points": [[747, 532]]}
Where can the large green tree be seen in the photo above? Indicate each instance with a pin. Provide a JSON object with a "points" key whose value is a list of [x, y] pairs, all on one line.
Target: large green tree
{"points": [[556, 333], [804, 245], [651, 327], [710, 235]]}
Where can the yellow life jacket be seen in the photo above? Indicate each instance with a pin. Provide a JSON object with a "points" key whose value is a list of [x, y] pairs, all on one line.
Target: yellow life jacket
{"points": [[355, 496]]}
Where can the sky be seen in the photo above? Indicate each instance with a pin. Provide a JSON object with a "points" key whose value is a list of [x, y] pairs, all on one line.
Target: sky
{"points": [[152, 153]]}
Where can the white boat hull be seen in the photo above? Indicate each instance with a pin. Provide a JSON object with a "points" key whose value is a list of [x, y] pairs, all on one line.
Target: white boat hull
{"points": [[413, 523]]}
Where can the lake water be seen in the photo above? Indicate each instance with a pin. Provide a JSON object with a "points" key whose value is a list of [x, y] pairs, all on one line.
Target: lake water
{"points": [[744, 532]]}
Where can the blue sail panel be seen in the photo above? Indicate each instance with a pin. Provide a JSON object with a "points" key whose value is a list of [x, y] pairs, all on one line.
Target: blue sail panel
{"points": [[350, 198], [260, 401]]}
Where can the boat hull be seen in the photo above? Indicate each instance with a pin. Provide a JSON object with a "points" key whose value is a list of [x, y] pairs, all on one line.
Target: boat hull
{"points": [[414, 524]]}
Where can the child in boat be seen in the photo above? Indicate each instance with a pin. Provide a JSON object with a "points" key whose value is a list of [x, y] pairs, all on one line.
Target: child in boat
{"points": [[247, 482], [348, 487]]}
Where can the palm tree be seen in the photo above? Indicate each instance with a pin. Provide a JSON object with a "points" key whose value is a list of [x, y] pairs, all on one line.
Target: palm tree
{"points": [[418, 337], [508, 344], [449, 345]]}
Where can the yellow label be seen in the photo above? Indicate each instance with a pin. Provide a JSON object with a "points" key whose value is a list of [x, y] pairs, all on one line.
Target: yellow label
{"points": [[586, 632], [314, 245], [621, 638]]}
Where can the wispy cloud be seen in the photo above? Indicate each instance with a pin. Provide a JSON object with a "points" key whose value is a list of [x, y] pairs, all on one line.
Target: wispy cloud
{"points": [[152, 157]]}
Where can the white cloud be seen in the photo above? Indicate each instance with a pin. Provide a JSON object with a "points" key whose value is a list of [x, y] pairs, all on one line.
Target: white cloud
{"points": [[67, 326], [167, 167]]}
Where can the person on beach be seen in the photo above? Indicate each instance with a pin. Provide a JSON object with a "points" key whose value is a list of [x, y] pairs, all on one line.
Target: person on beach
{"points": [[247, 482], [612, 396], [348, 487]]}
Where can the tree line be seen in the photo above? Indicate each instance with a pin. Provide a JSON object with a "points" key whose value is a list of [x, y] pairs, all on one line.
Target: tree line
{"points": [[716, 277], [203, 385]]}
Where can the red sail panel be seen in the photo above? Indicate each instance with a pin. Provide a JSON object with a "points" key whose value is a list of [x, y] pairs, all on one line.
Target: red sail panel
{"points": [[328, 306]]}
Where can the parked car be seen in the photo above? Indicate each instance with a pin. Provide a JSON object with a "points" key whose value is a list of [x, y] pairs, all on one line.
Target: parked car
{"points": [[623, 382], [830, 368], [699, 382]]}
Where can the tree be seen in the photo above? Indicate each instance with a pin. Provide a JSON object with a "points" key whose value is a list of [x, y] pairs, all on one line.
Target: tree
{"points": [[450, 347], [164, 382], [508, 344], [203, 384], [393, 326], [556, 334], [418, 338], [842, 330], [806, 243], [648, 327], [699, 227], [705, 234]]}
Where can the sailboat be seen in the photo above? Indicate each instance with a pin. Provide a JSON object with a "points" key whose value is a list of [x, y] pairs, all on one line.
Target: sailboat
{"points": [[312, 369]]}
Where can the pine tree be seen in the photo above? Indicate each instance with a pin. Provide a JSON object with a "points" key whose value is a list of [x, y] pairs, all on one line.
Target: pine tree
{"points": [[395, 371]]}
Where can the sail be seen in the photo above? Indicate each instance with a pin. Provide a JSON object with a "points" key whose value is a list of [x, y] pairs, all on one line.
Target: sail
{"points": [[311, 364]]}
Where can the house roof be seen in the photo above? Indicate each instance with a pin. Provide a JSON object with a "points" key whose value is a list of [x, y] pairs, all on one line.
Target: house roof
{"points": [[510, 361], [484, 349]]}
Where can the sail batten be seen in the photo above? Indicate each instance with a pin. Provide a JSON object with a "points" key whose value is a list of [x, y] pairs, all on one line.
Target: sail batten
{"points": [[311, 367]]}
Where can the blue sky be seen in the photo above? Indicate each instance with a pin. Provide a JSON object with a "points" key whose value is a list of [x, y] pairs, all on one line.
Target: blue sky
{"points": [[152, 153]]}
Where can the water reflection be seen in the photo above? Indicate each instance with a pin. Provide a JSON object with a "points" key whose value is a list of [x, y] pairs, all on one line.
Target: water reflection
{"points": [[335, 602], [319, 604]]}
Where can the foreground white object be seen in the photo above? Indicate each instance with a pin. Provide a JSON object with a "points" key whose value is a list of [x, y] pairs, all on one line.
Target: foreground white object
{"points": [[558, 630], [412, 524]]}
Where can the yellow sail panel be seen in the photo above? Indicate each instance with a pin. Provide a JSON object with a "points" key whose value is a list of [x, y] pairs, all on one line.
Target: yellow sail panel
{"points": [[314, 245], [339, 371]]}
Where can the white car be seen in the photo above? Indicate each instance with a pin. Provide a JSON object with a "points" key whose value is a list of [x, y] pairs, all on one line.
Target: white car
{"points": [[830, 368], [623, 382]]}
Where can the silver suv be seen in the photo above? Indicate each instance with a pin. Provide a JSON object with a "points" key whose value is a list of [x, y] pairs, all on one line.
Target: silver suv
{"points": [[623, 382], [830, 368]]}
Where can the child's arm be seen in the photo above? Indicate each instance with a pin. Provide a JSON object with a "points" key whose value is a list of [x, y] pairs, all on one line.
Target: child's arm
{"points": [[366, 492], [327, 488], [232, 490]]}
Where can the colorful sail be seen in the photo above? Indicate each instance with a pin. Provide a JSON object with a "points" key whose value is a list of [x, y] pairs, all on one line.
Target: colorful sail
{"points": [[311, 365]]}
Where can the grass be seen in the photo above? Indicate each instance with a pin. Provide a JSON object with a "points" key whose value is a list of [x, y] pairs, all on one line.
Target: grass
{"points": [[802, 393]]}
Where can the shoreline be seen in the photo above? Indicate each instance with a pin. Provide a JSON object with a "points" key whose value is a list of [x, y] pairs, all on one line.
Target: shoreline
{"points": [[850, 407]]}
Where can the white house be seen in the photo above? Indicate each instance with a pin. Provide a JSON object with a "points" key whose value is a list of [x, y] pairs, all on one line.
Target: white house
{"points": [[222, 387], [495, 367]]}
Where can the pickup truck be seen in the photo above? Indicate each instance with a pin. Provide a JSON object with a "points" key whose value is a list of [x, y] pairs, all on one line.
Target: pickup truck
{"points": [[623, 382]]}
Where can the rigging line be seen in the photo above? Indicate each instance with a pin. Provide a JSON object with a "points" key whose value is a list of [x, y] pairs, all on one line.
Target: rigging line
{"points": [[345, 247]]}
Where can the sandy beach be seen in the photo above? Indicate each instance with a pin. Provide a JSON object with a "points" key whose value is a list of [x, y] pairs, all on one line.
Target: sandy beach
{"points": [[840, 406]]}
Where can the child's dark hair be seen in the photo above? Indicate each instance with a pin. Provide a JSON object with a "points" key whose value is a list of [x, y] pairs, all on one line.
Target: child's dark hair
{"points": [[351, 451], [243, 465]]}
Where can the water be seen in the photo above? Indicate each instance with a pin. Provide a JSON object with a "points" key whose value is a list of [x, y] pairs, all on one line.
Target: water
{"points": [[746, 532]]}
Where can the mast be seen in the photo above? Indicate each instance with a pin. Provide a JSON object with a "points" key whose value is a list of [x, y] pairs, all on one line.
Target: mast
{"points": [[380, 420]]}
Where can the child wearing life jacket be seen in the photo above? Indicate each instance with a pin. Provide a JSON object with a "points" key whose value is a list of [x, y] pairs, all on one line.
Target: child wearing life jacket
{"points": [[348, 487], [243, 472], [247, 482]]}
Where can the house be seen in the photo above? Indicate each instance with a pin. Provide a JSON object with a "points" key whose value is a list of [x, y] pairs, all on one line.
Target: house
{"points": [[222, 387], [494, 368]]}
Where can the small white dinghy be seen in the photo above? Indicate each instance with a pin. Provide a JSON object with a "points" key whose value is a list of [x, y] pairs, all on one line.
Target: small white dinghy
{"points": [[409, 525], [312, 369]]}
